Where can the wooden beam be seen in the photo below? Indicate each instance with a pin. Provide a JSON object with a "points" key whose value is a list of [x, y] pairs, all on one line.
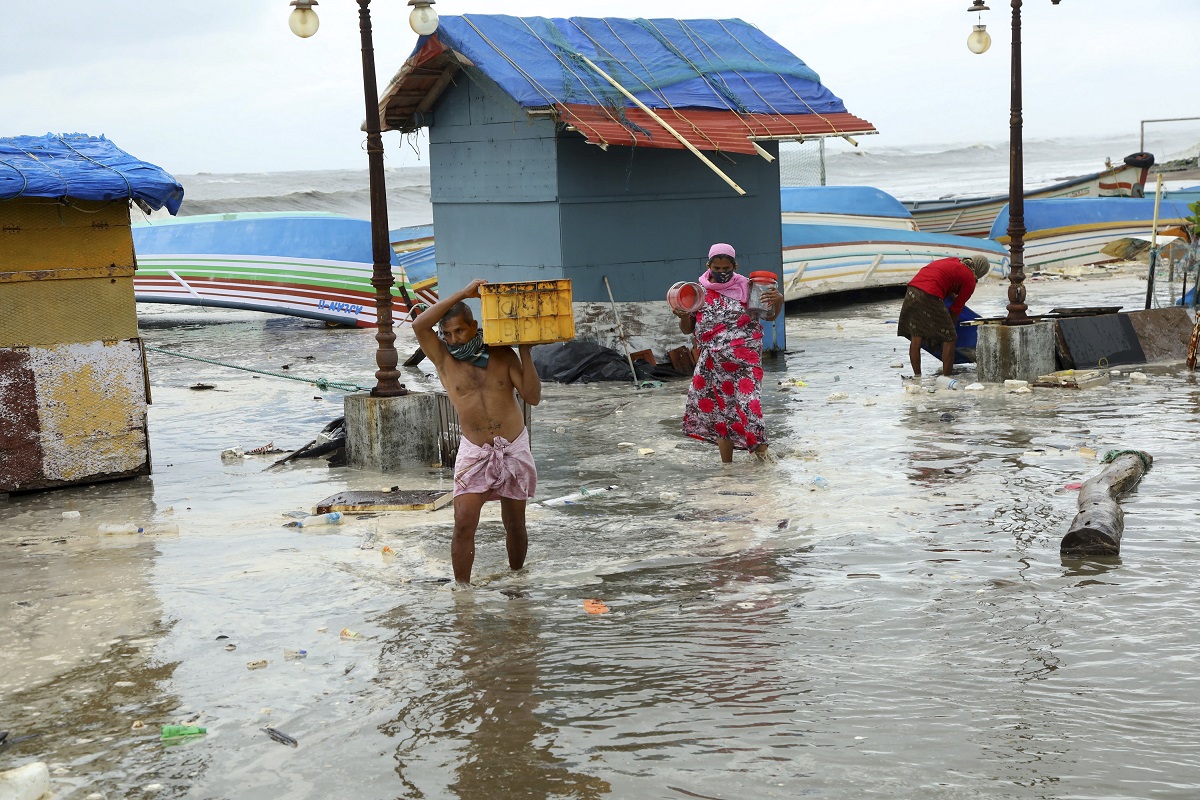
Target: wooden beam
{"points": [[1097, 528]]}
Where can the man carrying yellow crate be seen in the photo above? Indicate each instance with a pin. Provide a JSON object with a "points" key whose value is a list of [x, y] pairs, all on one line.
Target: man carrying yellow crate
{"points": [[494, 460]]}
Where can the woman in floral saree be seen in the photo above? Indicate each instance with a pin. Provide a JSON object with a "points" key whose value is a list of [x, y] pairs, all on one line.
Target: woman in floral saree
{"points": [[724, 402]]}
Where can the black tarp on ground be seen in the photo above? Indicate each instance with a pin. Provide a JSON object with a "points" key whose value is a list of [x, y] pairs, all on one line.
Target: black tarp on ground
{"points": [[587, 362], [1103, 340]]}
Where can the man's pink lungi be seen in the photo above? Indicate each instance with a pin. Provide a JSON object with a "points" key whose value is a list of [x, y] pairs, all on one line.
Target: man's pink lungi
{"points": [[499, 469]]}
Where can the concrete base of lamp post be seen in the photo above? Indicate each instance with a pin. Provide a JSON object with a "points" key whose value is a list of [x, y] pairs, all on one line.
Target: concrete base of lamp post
{"points": [[393, 433], [1014, 352]]}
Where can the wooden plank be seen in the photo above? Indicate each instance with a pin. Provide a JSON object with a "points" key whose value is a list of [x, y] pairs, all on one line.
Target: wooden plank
{"points": [[391, 500]]}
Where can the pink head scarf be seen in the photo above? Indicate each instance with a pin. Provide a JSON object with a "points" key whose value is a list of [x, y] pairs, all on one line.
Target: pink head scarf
{"points": [[738, 286]]}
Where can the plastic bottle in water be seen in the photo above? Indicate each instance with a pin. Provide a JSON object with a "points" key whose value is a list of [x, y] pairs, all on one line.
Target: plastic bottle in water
{"points": [[179, 731], [946, 382], [119, 528], [332, 518], [568, 499]]}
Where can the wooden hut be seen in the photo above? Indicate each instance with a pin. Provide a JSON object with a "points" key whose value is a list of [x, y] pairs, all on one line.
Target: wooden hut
{"points": [[73, 387], [622, 148]]}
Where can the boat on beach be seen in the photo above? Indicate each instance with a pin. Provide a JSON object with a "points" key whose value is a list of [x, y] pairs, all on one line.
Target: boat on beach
{"points": [[1060, 234], [313, 265], [844, 238], [973, 216]]}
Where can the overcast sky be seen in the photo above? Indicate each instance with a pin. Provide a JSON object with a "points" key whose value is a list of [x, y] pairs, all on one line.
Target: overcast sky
{"points": [[224, 86]]}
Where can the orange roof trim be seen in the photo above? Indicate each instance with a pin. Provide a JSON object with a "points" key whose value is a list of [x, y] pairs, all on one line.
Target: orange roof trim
{"points": [[705, 129]]}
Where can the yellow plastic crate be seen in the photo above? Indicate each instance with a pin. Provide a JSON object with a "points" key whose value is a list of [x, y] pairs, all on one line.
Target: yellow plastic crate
{"points": [[527, 312]]}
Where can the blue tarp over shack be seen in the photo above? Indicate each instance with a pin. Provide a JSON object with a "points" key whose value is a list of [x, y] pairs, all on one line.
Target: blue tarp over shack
{"points": [[76, 166], [713, 72]]}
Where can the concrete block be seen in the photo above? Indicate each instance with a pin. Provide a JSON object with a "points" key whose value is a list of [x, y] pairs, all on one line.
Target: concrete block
{"points": [[387, 433], [1015, 352]]}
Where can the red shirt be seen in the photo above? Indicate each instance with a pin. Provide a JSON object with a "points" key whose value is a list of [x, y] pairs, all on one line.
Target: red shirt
{"points": [[946, 277]]}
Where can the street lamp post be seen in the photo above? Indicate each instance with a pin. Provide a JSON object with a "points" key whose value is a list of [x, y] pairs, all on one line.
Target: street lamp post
{"points": [[423, 19], [978, 43]]}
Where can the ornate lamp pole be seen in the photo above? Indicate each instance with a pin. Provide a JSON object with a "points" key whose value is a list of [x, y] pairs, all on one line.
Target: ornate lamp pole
{"points": [[978, 42], [423, 20]]}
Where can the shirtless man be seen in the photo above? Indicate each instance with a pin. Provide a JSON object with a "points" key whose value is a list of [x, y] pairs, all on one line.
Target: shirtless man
{"points": [[494, 460]]}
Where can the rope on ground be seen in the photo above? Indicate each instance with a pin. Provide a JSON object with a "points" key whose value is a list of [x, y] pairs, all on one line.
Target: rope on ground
{"points": [[1113, 454], [320, 383]]}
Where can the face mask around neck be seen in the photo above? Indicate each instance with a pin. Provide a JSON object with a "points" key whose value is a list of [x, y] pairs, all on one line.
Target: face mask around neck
{"points": [[470, 351]]}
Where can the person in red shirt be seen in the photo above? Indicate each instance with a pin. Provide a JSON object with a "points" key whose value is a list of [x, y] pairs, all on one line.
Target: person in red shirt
{"points": [[924, 315]]}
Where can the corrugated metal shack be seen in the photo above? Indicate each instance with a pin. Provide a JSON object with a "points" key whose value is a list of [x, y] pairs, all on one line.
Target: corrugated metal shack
{"points": [[544, 165], [73, 386]]}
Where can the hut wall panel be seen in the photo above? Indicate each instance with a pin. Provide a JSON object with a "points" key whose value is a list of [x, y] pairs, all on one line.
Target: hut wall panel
{"points": [[39, 234], [649, 223], [82, 414]]}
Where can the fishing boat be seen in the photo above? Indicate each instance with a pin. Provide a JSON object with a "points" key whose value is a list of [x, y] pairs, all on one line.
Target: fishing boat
{"points": [[842, 238], [313, 265], [973, 216], [1060, 234]]}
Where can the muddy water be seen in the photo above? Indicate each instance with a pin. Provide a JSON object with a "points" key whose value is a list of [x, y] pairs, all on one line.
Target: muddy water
{"points": [[902, 627]]}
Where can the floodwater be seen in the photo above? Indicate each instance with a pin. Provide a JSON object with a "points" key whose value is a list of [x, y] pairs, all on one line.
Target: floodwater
{"points": [[903, 627]]}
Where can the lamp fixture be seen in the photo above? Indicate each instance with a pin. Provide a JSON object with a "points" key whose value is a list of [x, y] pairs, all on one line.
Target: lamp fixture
{"points": [[423, 19], [979, 40], [303, 20]]}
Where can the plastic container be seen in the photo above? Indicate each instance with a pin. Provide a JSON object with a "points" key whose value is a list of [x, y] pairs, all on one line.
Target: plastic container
{"points": [[759, 283], [180, 731], [120, 528], [332, 518], [569, 499], [527, 312], [946, 382], [25, 783], [686, 296]]}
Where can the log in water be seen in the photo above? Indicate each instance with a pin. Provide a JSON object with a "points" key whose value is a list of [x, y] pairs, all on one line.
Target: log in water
{"points": [[1096, 529]]}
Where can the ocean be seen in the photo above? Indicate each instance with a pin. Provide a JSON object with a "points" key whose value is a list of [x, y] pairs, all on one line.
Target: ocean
{"points": [[880, 611]]}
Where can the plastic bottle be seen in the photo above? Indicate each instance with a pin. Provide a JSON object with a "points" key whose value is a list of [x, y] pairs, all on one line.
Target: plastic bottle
{"points": [[25, 783], [295, 655], [568, 499], [180, 731], [760, 281], [123, 527], [946, 382], [332, 518]]}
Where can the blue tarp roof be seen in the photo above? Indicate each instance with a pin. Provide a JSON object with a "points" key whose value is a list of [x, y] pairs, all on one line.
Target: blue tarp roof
{"points": [[82, 167], [707, 63]]}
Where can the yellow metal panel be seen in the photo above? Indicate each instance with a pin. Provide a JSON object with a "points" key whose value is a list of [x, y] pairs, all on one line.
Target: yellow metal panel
{"points": [[527, 312], [92, 410], [66, 274], [64, 312], [38, 233]]}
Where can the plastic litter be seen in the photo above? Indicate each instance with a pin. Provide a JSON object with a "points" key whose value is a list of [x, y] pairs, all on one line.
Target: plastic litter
{"points": [[332, 518], [25, 783], [120, 528], [946, 382], [836, 396], [593, 606], [232, 454], [645, 451], [259, 664], [170, 732], [70, 515], [1138, 377], [974, 387], [349, 634], [820, 483], [281, 737], [571, 499], [295, 655], [1012, 385]]}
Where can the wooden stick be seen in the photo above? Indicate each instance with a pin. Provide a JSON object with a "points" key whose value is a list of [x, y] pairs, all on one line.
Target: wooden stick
{"points": [[1096, 529], [662, 122], [621, 331]]}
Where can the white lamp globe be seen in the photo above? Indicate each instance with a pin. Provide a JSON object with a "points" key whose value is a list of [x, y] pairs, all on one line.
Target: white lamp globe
{"points": [[979, 40], [423, 19], [303, 20]]}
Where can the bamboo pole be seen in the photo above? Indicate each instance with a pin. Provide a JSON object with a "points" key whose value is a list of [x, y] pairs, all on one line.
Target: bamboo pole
{"points": [[621, 333], [1153, 242], [1097, 528], [662, 122]]}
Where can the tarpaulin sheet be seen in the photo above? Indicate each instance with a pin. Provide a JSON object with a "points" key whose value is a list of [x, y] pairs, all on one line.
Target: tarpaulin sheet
{"points": [[82, 167], [665, 63]]}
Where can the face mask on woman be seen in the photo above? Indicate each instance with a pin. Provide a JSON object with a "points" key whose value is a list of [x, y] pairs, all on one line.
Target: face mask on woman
{"points": [[719, 277]]}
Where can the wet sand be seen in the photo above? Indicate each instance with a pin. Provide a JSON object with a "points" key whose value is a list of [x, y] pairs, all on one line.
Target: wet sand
{"points": [[903, 626]]}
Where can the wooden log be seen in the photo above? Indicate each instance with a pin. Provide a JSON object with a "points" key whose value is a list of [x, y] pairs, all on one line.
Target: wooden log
{"points": [[1097, 528]]}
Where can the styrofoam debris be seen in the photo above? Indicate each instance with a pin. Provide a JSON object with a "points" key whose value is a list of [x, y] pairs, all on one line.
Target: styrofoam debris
{"points": [[974, 387]]}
